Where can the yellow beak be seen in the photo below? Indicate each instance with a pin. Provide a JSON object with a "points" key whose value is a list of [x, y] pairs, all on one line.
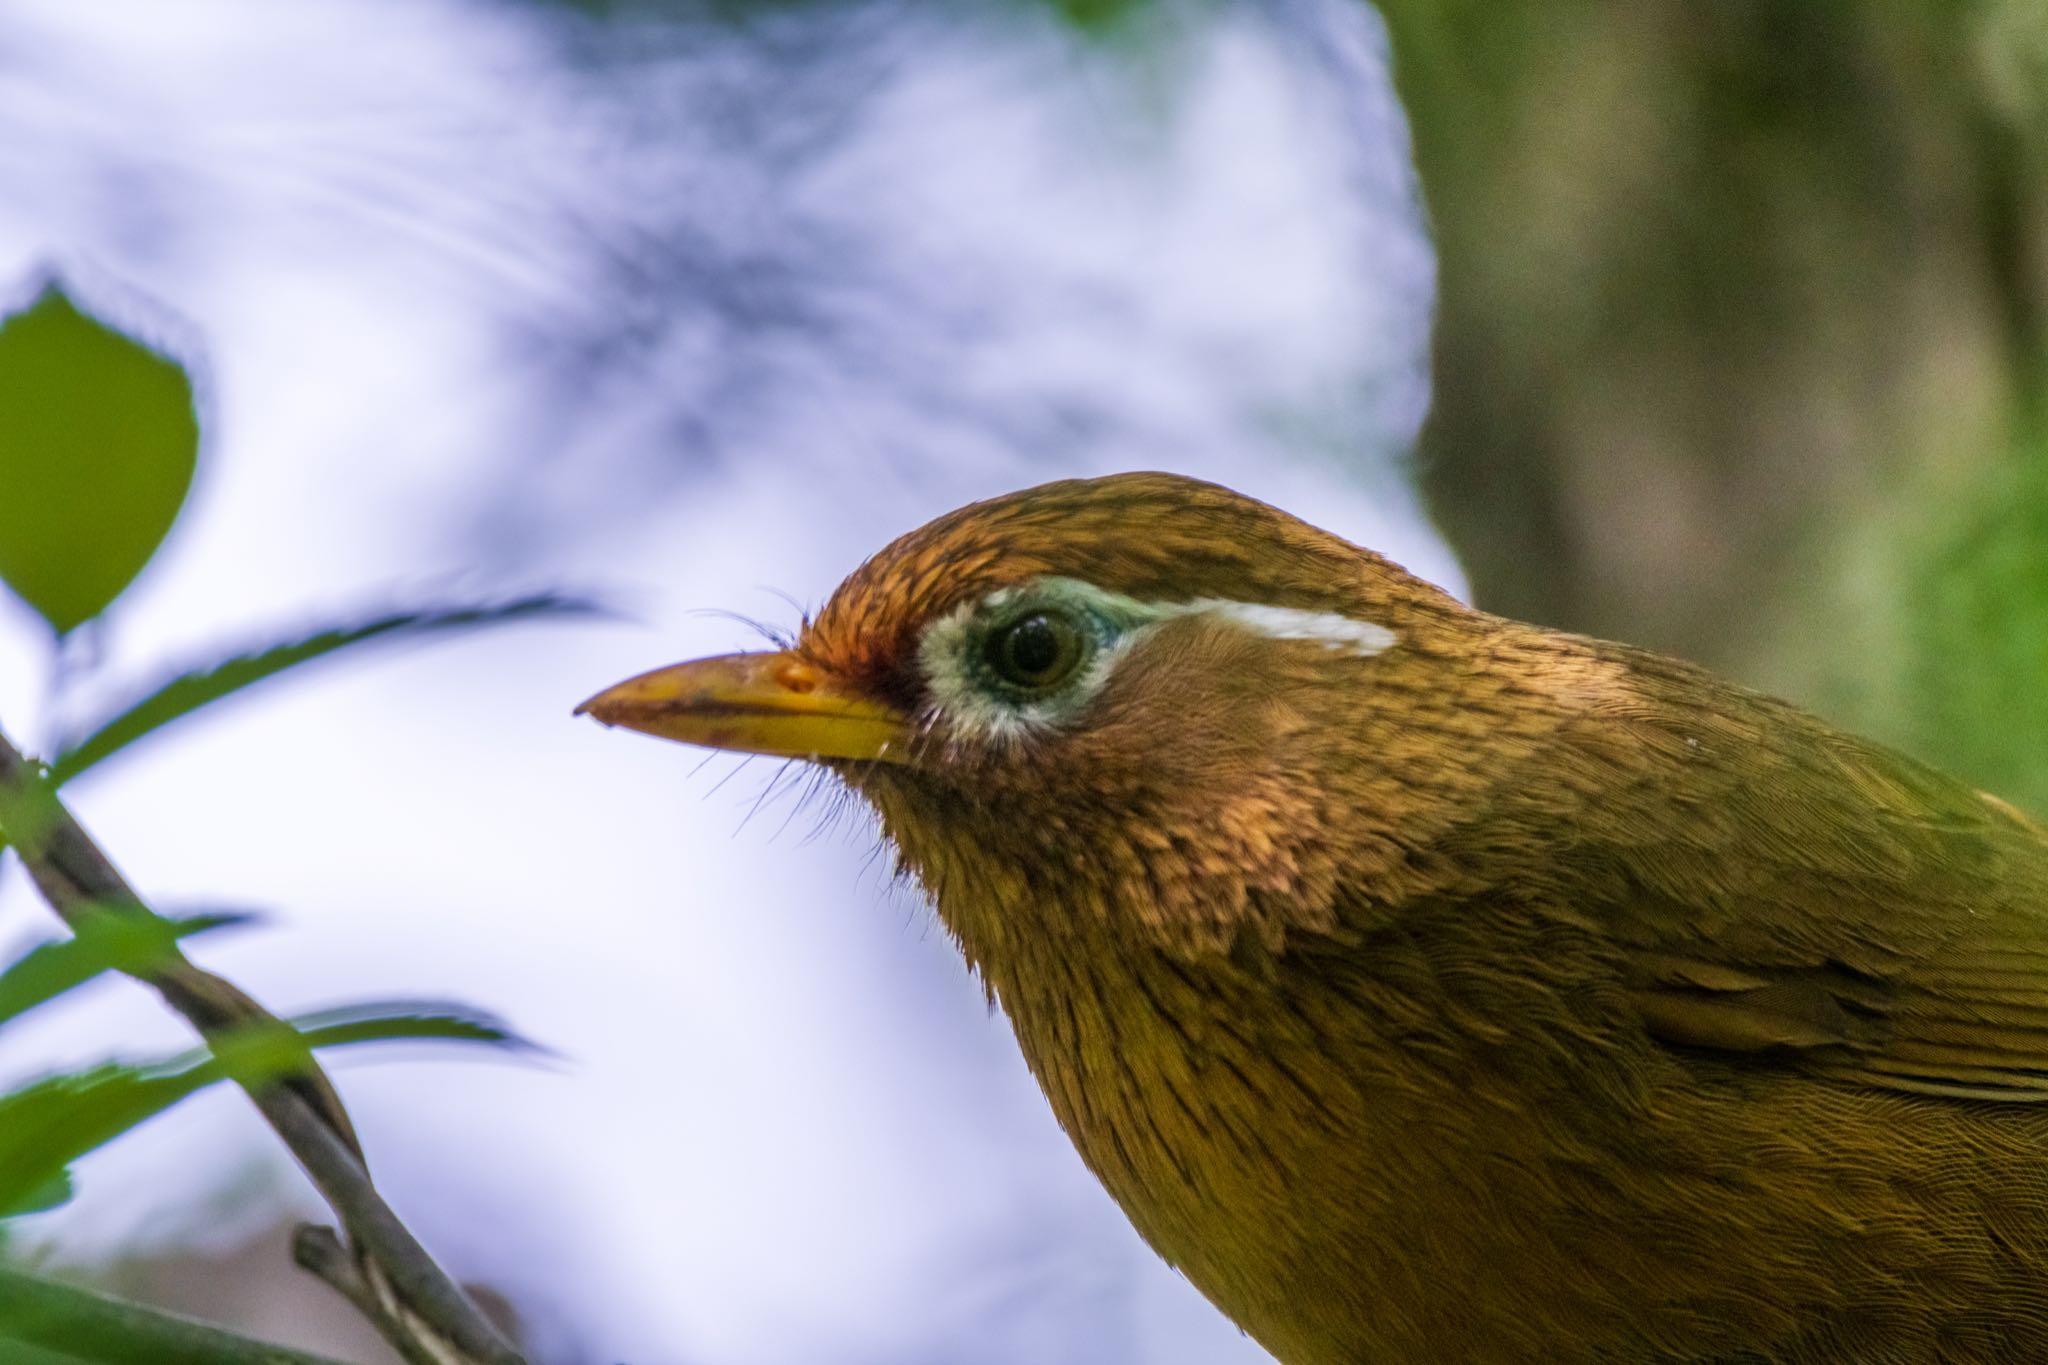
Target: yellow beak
{"points": [[758, 704]]}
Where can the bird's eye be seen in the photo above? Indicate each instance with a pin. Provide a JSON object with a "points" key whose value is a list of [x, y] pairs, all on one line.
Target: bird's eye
{"points": [[1037, 652]]}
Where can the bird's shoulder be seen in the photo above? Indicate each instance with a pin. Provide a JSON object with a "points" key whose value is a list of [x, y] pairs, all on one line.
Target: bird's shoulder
{"points": [[1772, 886]]}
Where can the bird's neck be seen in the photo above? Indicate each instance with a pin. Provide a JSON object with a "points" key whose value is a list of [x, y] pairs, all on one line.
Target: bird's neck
{"points": [[1244, 1110]]}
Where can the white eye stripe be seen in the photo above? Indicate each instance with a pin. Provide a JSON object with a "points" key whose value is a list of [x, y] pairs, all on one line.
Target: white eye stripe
{"points": [[958, 682], [1340, 633]]}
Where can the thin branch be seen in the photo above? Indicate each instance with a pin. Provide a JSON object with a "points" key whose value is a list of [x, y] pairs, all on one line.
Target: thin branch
{"points": [[78, 1324], [320, 1252], [423, 1313]]}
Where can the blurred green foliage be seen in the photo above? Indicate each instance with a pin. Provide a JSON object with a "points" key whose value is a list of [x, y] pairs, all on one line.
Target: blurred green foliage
{"points": [[1741, 307], [1096, 15], [1947, 654], [98, 444]]}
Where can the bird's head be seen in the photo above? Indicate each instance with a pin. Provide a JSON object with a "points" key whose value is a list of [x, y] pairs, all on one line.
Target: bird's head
{"points": [[1140, 700]]}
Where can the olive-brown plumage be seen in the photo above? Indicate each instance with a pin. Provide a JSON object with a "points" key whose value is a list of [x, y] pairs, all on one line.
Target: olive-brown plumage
{"points": [[1429, 986]]}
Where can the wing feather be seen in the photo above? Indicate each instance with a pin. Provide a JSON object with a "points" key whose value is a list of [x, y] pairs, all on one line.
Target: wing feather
{"points": [[1815, 899]]}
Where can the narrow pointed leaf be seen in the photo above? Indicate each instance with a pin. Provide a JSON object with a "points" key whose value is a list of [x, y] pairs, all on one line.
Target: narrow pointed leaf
{"points": [[114, 941], [98, 443], [189, 691], [47, 1125], [407, 1021]]}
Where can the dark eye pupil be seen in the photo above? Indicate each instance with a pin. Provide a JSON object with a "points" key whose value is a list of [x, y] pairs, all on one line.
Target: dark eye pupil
{"points": [[1035, 652], [1031, 649]]}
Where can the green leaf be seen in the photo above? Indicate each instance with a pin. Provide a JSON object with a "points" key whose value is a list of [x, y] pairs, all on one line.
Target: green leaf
{"points": [[51, 1194], [43, 1322], [190, 690], [115, 940], [49, 1124], [44, 1127], [98, 443], [409, 1021]]}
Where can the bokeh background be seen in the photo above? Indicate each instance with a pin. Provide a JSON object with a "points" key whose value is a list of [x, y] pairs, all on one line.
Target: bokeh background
{"points": [[1726, 321]]}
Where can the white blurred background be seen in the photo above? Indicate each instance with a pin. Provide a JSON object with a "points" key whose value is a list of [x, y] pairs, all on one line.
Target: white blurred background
{"points": [[692, 312]]}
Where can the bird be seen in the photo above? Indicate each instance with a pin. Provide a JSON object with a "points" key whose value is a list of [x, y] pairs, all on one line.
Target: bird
{"points": [[1426, 985]]}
